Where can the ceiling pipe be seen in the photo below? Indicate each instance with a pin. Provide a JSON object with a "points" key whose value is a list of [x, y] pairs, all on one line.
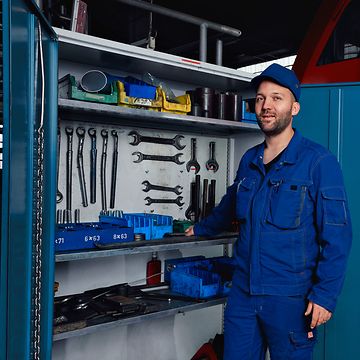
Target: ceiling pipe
{"points": [[204, 24]]}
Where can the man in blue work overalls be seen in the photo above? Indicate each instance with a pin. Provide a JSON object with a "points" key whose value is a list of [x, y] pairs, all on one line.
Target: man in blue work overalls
{"points": [[295, 232]]}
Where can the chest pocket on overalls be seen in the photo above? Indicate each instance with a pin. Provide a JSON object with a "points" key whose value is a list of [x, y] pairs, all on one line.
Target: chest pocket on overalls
{"points": [[287, 200], [244, 195]]}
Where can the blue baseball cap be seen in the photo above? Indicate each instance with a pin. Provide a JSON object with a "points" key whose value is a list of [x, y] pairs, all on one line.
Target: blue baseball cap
{"points": [[281, 75]]}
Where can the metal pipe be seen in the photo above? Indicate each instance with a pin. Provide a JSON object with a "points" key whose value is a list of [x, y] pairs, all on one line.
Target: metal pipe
{"points": [[219, 52], [181, 16], [203, 42]]}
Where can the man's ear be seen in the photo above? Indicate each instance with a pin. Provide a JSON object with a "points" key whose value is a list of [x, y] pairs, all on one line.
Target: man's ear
{"points": [[295, 108]]}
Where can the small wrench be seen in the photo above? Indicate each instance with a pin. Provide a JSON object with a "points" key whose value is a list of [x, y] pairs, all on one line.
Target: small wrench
{"points": [[193, 163], [212, 164], [148, 186], [114, 169], [177, 201], [80, 132], [59, 195], [156, 140], [104, 134], [174, 158], [93, 156], [69, 160]]}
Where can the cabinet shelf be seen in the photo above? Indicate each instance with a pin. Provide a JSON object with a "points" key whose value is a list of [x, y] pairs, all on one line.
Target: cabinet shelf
{"points": [[172, 307], [96, 112], [146, 246], [78, 47]]}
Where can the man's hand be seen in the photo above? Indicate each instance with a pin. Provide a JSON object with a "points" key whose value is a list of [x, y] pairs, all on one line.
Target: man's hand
{"points": [[319, 314], [189, 231]]}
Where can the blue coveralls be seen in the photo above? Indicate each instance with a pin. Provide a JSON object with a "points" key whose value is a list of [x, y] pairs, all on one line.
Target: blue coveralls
{"points": [[294, 241]]}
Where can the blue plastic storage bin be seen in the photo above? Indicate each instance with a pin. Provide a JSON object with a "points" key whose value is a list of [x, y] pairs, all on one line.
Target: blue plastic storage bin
{"points": [[82, 236], [139, 89], [172, 264], [195, 282], [222, 266], [154, 226]]}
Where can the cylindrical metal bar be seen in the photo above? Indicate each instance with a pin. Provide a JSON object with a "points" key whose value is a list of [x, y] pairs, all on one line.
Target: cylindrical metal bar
{"points": [[183, 17], [203, 42], [219, 52]]}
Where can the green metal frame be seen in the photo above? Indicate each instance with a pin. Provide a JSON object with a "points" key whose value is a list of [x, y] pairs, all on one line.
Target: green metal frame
{"points": [[21, 120]]}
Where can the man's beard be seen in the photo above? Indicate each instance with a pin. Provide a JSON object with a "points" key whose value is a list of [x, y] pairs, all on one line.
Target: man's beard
{"points": [[278, 127]]}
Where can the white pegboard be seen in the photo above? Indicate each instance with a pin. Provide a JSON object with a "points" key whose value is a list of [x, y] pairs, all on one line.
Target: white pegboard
{"points": [[130, 175]]}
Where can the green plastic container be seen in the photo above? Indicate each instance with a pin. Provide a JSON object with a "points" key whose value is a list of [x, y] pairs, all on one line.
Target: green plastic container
{"points": [[68, 89]]}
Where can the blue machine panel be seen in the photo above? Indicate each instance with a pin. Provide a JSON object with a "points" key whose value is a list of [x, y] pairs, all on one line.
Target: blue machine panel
{"points": [[329, 116]]}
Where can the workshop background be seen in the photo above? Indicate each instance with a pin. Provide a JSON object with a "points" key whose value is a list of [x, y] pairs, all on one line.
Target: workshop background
{"points": [[123, 122]]}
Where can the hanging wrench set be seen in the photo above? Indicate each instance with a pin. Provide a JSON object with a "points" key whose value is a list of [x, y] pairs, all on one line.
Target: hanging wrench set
{"points": [[160, 165]]}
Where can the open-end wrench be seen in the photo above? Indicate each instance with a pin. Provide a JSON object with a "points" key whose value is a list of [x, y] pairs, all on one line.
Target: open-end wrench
{"points": [[69, 160], [156, 140], [104, 134], [176, 201], [148, 186], [173, 158], [80, 132], [114, 169], [212, 164], [192, 163], [93, 156], [59, 195]]}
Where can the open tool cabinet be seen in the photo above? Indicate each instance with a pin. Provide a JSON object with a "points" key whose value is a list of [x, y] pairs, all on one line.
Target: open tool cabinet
{"points": [[36, 150], [35, 116]]}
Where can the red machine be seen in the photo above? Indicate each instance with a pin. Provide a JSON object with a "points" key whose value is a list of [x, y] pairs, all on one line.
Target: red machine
{"points": [[330, 52]]}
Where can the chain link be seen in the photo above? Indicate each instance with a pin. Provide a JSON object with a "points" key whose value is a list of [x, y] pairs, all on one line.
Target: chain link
{"points": [[38, 245], [38, 224]]}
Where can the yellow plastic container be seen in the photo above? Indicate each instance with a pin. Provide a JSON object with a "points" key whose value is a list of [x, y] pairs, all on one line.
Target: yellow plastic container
{"points": [[137, 102], [159, 104], [182, 107]]}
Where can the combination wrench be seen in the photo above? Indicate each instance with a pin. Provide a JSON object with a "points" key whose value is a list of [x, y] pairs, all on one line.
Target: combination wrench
{"points": [[59, 195], [93, 157], [193, 163], [104, 134], [148, 186], [212, 164], [80, 132], [69, 160], [156, 140], [176, 201], [173, 158], [114, 169]]}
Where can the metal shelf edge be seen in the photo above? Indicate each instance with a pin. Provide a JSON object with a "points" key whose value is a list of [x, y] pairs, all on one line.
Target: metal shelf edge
{"points": [[91, 254], [160, 117], [137, 319]]}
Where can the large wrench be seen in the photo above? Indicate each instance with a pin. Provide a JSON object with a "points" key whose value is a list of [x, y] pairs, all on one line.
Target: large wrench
{"points": [[193, 163], [114, 169], [148, 186], [173, 158], [80, 132], [156, 140], [104, 134], [176, 201], [93, 156], [212, 164], [69, 160]]}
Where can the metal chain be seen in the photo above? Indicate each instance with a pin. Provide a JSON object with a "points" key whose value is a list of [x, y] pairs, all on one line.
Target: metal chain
{"points": [[38, 245], [38, 225]]}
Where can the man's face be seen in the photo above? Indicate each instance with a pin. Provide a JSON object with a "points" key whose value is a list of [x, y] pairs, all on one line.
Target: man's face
{"points": [[275, 106]]}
